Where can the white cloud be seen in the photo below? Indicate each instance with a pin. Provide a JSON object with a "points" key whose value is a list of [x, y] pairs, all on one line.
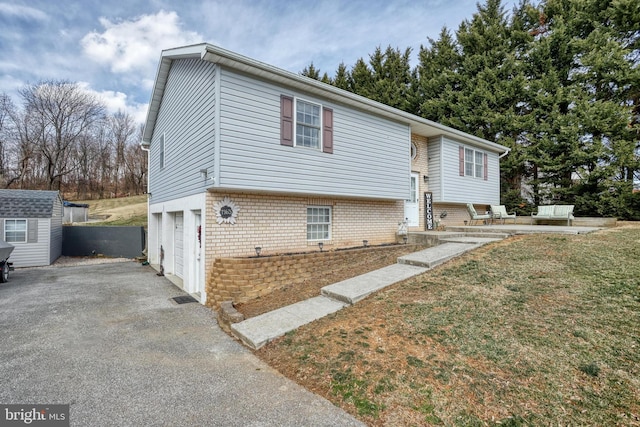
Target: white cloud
{"points": [[134, 45], [118, 102], [22, 12]]}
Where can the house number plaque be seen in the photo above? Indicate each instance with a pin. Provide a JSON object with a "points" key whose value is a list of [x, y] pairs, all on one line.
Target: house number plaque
{"points": [[226, 211]]}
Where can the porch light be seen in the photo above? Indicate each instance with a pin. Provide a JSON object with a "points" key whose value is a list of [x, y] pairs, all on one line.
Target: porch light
{"points": [[258, 250], [425, 178], [320, 245], [405, 239], [365, 243]]}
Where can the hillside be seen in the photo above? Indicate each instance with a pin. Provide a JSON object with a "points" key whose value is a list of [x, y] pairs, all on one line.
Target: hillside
{"points": [[121, 211]]}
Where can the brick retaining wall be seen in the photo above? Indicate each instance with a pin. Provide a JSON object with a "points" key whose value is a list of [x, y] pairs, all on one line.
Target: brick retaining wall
{"points": [[244, 279]]}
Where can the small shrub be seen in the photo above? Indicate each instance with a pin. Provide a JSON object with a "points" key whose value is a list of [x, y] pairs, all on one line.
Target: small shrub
{"points": [[590, 369]]}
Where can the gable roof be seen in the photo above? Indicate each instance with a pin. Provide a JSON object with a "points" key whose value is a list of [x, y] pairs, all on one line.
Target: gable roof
{"points": [[232, 60], [27, 203]]}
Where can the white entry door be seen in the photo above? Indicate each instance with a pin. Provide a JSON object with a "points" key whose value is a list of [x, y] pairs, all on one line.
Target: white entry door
{"points": [[196, 287], [412, 205], [178, 244]]}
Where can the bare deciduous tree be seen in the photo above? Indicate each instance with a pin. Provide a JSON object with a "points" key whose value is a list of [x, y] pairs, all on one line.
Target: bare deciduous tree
{"points": [[120, 128], [62, 139], [60, 114]]}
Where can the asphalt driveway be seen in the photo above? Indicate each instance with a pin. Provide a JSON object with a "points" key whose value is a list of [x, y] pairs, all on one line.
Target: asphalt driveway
{"points": [[109, 340]]}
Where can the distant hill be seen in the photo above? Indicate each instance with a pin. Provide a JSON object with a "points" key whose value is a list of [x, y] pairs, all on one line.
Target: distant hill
{"points": [[119, 211]]}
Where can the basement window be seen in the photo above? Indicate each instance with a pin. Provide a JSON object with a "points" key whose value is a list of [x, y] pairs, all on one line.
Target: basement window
{"points": [[318, 223]]}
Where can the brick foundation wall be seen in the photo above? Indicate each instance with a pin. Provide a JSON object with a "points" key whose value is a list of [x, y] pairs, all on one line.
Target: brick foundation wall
{"points": [[243, 279], [278, 224]]}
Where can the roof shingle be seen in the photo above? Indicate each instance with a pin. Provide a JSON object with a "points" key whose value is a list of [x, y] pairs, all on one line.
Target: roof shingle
{"points": [[27, 203]]}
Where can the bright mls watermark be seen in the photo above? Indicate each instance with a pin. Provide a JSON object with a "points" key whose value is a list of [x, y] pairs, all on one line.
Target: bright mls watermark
{"points": [[34, 415]]}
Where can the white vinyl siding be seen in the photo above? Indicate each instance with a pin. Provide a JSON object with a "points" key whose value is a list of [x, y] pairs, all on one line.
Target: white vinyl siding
{"points": [[371, 155], [55, 235], [162, 148], [446, 183], [183, 141], [37, 253], [319, 223]]}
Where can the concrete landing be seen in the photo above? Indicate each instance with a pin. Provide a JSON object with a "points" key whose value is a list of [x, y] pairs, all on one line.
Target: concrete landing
{"points": [[430, 257], [357, 288], [257, 331], [514, 229], [482, 240]]}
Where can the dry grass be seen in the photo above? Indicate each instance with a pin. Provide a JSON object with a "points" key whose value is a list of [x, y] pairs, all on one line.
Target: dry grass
{"points": [[533, 330], [119, 211]]}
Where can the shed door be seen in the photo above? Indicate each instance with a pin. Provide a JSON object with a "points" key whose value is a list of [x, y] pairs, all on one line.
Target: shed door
{"points": [[178, 248]]}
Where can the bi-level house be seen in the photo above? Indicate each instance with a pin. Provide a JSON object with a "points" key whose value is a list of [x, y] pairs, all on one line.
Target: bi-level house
{"points": [[244, 155]]}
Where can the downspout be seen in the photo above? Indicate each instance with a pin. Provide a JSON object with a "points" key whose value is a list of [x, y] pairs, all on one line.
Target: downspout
{"points": [[504, 154], [145, 147]]}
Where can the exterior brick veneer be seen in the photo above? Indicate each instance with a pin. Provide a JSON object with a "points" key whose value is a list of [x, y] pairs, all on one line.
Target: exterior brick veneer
{"points": [[244, 279], [277, 223]]}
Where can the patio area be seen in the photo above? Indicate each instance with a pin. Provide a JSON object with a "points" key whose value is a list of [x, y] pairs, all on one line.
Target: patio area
{"points": [[523, 229]]}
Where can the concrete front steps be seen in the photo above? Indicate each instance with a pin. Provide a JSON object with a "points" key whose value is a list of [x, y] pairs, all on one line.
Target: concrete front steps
{"points": [[257, 331]]}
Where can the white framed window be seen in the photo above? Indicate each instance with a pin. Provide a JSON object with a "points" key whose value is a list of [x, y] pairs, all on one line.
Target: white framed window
{"points": [[15, 230], [162, 150], [308, 124], [479, 171], [318, 223], [473, 163]]}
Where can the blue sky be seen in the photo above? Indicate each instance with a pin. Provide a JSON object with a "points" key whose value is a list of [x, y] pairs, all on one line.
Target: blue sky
{"points": [[112, 47]]}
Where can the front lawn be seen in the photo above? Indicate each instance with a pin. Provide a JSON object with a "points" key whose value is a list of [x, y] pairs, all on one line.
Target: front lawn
{"points": [[533, 330]]}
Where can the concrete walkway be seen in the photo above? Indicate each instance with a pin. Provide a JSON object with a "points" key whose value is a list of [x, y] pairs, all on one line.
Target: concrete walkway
{"points": [[257, 331]]}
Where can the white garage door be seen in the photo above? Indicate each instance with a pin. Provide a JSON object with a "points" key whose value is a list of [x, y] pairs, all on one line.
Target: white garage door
{"points": [[178, 245]]}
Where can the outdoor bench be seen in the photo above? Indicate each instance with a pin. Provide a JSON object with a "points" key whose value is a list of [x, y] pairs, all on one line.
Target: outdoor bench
{"points": [[554, 212]]}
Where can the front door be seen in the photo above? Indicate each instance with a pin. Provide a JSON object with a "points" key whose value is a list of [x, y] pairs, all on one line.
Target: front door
{"points": [[412, 205]]}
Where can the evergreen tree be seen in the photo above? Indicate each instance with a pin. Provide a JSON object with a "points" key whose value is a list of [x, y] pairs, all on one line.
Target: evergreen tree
{"points": [[392, 80], [311, 71], [558, 83], [587, 140], [361, 81], [343, 78], [438, 81]]}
